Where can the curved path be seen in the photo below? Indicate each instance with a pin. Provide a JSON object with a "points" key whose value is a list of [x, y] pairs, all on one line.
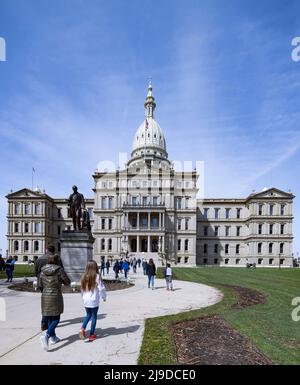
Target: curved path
{"points": [[120, 323]]}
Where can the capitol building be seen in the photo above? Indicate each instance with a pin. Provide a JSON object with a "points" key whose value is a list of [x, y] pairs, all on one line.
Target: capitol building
{"points": [[150, 210]]}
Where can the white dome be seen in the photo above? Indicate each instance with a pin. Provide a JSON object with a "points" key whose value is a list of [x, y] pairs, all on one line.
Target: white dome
{"points": [[149, 134]]}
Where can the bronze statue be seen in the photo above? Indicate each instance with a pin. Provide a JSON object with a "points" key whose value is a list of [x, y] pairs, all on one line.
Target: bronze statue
{"points": [[76, 203]]}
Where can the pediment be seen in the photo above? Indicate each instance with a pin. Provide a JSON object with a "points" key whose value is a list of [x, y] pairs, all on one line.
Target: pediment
{"points": [[25, 193], [272, 193]]}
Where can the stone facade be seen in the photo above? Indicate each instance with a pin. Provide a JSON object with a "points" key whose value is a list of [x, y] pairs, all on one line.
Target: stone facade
{"points": [[150, 210]]}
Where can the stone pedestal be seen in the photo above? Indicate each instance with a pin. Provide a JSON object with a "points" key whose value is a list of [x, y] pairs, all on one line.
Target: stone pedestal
{"points": [[76, 251]]}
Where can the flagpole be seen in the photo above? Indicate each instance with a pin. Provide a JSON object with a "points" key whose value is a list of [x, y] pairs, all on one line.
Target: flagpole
{"points": [[32, 171]]}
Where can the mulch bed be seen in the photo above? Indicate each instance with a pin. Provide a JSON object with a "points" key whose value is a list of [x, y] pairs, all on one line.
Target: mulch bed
{"points": [[110, 285], [211, 341], [247, 297]]}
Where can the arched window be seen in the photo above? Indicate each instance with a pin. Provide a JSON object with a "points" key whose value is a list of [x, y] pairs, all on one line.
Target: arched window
{"points": [[26, 246], [270, 248], [36, 245], [186, 245], [281, 248], [259, 248], [16, 246]]}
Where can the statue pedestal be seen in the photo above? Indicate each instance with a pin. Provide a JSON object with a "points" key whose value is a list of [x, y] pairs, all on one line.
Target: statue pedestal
{"points": [[76, 251]]}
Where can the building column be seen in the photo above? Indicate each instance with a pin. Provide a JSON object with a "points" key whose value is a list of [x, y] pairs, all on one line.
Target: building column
{"points": [[149, 217], [138, 244], [159, 220], [138, 221], [149, 245]]}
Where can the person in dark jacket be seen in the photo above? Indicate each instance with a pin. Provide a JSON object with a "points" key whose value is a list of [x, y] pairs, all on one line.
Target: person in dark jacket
{"points": [[144, 265], [107, 265], [9, 268], [51, 279], [116, 269], [151, 272], [125, 268], [103, 267], [139, 261], [39, 264]]}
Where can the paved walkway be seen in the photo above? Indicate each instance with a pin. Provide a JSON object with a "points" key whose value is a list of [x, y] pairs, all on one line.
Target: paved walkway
{"points": [[120, 323]]}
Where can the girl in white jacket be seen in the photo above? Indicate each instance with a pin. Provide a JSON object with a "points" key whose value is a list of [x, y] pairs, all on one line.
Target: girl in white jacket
{"points": [[92, 290]]}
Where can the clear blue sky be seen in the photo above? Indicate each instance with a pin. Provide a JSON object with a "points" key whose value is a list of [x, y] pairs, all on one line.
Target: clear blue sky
{"points": [[75, 81]]}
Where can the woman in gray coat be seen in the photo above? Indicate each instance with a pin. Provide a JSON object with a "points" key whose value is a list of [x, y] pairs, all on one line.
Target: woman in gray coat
{"points": [[50, 280]]}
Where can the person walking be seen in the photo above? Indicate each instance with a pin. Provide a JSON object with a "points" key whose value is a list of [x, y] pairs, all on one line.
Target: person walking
{"points": [[125, 268], [116, 269], [107, 265], [151, 272], [92, 290], [134, 264], [39, 264], [139, 262], [9, 268], [51, 279], [168, 277], [103, 267], [144, 265]]}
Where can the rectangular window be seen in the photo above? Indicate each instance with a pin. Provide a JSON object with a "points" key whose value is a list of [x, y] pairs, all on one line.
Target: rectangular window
{"points": [[91, 213], [110, 202], [27, 208], [144, 201], [282, 209], [16, 227], [186, 245], [186, 223], [271, 229], [110, 221], [26, 228], [103, 202], [282, 229], [216, 248], [133, 201], [179, 244], [227, 231], [17, 208], [37, 227], [237, 249], [103, 224], [238, 231], [205, 213], [102, 244], [227, 213], [260, 228], [58, 213], [271, 210], [260, 209], [58, 230], [154, 201], [179, 203], [187, 202], [205, 231], [238, 213], [205, 248], [109, 244], [179, 224], [217, 213], [216, 231], [37, 209]]}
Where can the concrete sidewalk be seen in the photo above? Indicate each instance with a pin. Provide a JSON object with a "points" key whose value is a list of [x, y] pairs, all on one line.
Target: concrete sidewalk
{"points": [[120, 323]]}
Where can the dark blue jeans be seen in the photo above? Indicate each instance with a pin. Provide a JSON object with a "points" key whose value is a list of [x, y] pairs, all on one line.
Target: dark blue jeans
{"points": [[52, 323], [126, 273], [91, 315], [9, 274]]}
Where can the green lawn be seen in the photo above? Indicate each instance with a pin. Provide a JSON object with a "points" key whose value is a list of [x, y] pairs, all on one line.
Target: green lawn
{"points": [[20, 271], [269, 326]]}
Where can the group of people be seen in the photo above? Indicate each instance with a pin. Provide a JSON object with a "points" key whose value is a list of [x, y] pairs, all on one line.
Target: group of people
{"points": [[51, 276], [8, 266], [124, 265]]}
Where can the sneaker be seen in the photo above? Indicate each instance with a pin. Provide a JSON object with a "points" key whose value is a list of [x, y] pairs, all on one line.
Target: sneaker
{"points": [[82, 334], [54, 340], [45, 342], [92, 337]]}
